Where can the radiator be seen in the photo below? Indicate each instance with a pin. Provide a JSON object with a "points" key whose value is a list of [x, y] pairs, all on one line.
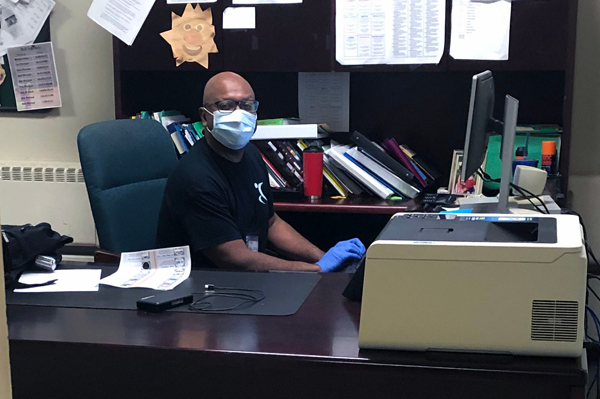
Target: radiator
{"points": [[47, 192]]}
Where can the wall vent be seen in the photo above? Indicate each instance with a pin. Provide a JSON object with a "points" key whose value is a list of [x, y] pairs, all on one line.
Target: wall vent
{"points": [[48, 174], [554, 320]]}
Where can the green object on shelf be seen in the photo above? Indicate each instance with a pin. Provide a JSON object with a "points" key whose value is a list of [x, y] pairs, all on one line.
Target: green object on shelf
{"points": [[396, 198], [198, 128], [538, 133], [278, 122]]}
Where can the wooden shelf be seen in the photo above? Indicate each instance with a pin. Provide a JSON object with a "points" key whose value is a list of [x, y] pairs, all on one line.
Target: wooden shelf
{"points": [[365, 205]]}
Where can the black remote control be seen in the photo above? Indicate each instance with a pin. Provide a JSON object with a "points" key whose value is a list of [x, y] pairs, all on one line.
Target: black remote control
{"points": [[438, 199]]}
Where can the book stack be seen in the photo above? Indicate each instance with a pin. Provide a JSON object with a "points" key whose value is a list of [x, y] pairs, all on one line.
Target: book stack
{"points": [[364, 168], [386, 174], [183, 134]]}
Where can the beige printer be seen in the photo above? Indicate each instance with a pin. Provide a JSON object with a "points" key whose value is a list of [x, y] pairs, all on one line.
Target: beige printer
{"points": [[476, 282]]}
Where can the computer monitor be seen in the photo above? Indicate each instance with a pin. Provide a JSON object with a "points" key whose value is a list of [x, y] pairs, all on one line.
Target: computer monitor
{"points": [[480, 125]]}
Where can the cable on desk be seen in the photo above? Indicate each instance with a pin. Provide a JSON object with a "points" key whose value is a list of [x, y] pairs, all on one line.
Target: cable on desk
{"points": [[528, 195], [588, 248], [596, 379], [244, 295]]}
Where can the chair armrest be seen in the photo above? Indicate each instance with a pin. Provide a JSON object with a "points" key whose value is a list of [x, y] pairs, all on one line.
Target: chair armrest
{"points": [[102, 256]]}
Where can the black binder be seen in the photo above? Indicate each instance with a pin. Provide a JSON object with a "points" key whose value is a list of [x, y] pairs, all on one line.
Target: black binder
{"points": [[381, 156]]}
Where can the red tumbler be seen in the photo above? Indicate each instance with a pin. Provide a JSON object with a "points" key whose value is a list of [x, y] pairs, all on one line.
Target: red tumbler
{"points": [[313, 172]]}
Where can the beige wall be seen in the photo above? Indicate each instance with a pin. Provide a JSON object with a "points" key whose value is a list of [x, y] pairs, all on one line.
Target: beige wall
{"points": [[83, 53], [584, 180]]}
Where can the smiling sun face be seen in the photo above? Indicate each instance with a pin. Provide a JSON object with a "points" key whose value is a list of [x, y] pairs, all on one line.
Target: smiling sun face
{"points": [[192, 36]]}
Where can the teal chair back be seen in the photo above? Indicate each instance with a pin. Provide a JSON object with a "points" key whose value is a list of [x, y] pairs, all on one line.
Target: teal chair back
{"points": [[126, 164]]}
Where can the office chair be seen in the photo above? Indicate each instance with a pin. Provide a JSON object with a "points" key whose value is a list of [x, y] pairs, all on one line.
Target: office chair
{"points": [[126, 164]]}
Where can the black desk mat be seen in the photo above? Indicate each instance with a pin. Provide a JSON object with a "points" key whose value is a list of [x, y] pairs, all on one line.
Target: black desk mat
{"points": [[284, 292]]}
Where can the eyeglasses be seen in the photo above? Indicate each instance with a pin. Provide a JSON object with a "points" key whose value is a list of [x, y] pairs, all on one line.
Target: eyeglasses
{"points": [[231, 105]]}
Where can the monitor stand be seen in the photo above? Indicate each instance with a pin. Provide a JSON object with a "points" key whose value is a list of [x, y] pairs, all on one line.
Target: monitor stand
{"points": [[511, 111]]}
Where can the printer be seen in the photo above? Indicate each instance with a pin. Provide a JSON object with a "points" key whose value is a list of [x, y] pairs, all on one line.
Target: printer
{"points": [[512, 284]]}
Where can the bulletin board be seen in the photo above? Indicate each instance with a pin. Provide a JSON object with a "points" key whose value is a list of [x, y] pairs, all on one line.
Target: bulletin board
{"points": [[7, 94]]}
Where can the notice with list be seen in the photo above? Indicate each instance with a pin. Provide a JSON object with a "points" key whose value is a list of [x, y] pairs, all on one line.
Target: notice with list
{"points": [[389, 31], [34, 76]]}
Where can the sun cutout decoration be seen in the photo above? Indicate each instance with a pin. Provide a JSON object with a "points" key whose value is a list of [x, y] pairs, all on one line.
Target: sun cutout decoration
{"points": [[192, 36]]}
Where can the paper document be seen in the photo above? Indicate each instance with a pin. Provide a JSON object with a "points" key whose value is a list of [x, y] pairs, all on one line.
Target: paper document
{"points": [[239, 18], [324, 97], [480, 30], [188, 1], [390, 31], [34, 77], [267, 1], [76, 280], [22, 22], [159, 269], [122, 18]]}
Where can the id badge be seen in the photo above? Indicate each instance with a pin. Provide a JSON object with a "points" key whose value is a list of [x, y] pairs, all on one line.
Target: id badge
{"points": [[252, 242]]}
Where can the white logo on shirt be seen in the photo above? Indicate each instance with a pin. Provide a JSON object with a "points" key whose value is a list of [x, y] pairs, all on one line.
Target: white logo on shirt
{"points": [[261, 198]]}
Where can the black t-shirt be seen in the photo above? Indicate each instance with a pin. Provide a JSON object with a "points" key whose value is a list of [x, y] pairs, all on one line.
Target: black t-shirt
{"points": [[209, 201]]}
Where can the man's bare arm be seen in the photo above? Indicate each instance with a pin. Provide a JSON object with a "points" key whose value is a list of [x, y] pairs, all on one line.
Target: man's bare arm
{"points": [[235, 255], [287, 241]]}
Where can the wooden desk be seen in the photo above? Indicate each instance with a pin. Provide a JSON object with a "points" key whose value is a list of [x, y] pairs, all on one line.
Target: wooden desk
{"points": [[326, 221], [90, 353], [360, 205]]}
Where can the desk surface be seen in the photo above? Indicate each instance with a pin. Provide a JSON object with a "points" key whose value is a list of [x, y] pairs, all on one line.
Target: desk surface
{"points": [[353, 204], [323, 333]]}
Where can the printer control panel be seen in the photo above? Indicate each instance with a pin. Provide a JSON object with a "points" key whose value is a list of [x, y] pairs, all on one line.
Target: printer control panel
{"points": [[466, 228], [462, 218]]}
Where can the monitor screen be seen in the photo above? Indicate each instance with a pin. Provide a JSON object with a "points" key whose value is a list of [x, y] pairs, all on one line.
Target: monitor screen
{"points": [[481, 111]]}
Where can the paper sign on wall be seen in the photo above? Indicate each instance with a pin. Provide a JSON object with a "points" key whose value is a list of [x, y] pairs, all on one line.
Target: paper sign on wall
{"points": [[389, 32], [267, 1], [480, 30], [324, 97], [22, 22], [192, 36], [122, 18], [239, 18], [187, 1], [34, 77]]}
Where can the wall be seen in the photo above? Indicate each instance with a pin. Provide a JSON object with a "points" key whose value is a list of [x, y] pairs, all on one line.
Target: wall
{"points": [[83, 54], [584, 180]]}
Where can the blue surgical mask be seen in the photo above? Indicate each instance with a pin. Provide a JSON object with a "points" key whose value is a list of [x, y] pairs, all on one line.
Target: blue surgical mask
{"points": [[233, 129]]}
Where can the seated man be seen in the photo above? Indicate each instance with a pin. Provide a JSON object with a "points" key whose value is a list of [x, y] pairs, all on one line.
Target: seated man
{"points": [[219, 202]]}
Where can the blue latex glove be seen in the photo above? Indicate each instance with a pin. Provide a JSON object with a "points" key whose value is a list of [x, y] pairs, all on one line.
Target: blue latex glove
{"points": [[342, 252]]}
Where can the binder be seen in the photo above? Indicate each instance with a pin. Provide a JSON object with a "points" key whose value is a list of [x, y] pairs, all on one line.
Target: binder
{"points": [[394, 149], [381, 156], [429, 170], [337, 153], [278, 161], [276, 175], [380, 171], [177, 138], [342, 177]]}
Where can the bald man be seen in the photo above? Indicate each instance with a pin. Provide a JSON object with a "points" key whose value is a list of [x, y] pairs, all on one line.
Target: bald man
{"points": [[219, 202]]}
